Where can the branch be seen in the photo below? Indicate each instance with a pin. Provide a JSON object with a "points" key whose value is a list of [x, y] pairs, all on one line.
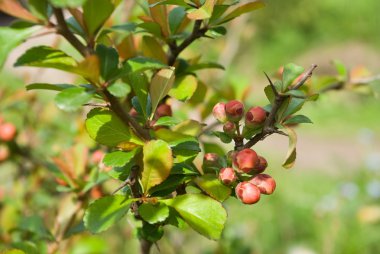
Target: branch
{"points": [[175, 50], [269, 124], [64, 30], [125, 117]]}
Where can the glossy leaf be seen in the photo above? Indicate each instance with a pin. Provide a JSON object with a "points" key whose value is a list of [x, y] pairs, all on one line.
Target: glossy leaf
{"points": [[154, 213], [109, 60], [204, 12], [158, 162], [244, 8], [292, 153], [200, 66], [153, 49], [95, 13], [159, 14], [107, 129], [106, 211], [298, 119], [139, 84], [139, 64], [222, 136], [290, 73], [213, 187], [160, 85], [119, 89], [119, 158], [189, 127], [11, 38], [166, 121], [44, 56], [39, 8], [204, 214], [176, 17], [72, 98], [184, 88]]}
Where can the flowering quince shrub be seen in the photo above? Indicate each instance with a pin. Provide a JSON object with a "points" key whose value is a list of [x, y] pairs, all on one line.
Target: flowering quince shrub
{"points": [[130, 73]]}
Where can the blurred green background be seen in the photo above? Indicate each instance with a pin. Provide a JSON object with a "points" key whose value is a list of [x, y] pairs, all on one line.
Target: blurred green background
{"points": [[328, 203]]}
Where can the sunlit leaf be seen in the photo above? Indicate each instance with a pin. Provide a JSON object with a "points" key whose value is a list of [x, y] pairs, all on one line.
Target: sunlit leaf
{"points": [[154, 213], [298, 119], [73, 98], [184, 88], [244, 8], [14, 8], [119, 158], [95, 13], [213, 187], [160, 85], [290, 73], [204, 12]]}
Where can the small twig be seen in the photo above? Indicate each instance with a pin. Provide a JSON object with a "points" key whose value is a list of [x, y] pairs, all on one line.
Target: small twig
{"points": [[96, 104], [305, 77], [269, 124], [125, 183]]}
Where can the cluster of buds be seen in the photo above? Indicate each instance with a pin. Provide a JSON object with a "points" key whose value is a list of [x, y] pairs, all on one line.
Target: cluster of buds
{"points": [[248, 164], [232, 112], [246, 171]]}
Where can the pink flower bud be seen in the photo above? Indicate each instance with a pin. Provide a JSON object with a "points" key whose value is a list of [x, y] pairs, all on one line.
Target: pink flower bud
{"points": [[163, 110], [229, 128], [262, 165], [227, 176], [246, 160], [211, 160], [255, 116], [234, 110], [265, 183], [7, 132], [219, 112], [247, 193]]}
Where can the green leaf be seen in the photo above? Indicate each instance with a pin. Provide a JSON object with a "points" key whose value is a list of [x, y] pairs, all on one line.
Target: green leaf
{"points": [[139, 83], [166, 121], [189, 127], [204, 214], [295, 105], [154, 213], [68, 3], [139, 64], [72, 98], [95, 13], [290, 73], [119, 158], [44, 56], [39, 8], [222, 136], [213, 187], [160, 85], [107, 129], [200, 66], [45, 86], [119, 89], [176, 16], [292, 153], [11, 38], [204, 12], [184, 88], [158, 162], [104, 212], [216, 32], [244, 8], [151, 233], [341, 69], [169, 185], [109, 61], [298, 119], [152, 48]]}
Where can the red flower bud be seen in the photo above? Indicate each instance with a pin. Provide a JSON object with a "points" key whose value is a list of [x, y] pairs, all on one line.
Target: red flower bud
{"points": [[229, 128], [227, 176], [163, 110], [262, 165], [265, 183], [211, 160], [234, 110], [219, 112], [247, 193], [7, 131], [246, 160], [255, 116]]}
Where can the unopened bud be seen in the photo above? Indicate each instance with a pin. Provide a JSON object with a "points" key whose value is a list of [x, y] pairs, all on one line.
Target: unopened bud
{"points": [[229, 128], [247, 192], [255, 116], [7, 132], [227, 176], [219, 112], [234, 110], [265, 183], [262, 165], [246, 160], [163, 110]]}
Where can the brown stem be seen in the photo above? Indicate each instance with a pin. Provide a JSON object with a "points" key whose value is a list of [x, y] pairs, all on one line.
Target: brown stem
{"points": [[145, 246], [175, 50], [125, 117], [64, 30]]}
